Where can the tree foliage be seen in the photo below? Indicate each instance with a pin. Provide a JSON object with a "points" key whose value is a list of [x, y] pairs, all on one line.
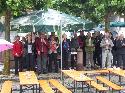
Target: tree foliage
{"points": [[94, 10], [12, 8]]}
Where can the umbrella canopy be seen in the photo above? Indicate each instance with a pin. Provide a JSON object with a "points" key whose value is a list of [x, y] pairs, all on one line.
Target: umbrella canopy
{"points": [[117, 24], [50, 17], [47, 19], [5, 45]]}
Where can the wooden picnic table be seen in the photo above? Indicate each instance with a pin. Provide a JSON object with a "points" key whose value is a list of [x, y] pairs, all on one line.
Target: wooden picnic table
{"points": [[77, 77], [86, 72], [28, 78], [117, 71]]}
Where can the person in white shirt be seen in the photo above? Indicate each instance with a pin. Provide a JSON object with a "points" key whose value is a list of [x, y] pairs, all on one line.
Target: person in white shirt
{"points": [[30, 53], [106, 45]]}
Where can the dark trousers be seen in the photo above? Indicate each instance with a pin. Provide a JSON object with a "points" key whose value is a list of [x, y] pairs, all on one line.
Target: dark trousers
{"points": [[53, 58], [73, 60], [30, 61], [42, 63], [65, 56], [18, 64], [115, 58], [24, 62], [121, 60], [97, 58]]}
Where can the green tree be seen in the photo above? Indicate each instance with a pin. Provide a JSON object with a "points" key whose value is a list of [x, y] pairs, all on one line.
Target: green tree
{"points": [[97, 11], [10, 8]]}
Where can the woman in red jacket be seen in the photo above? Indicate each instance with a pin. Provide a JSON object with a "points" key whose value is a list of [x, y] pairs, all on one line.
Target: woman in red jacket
{"points": [[17, 53]]}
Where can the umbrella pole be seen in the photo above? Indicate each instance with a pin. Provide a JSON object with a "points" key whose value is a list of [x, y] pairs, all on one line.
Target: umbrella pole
{"points": [[33, 28], [61, 45], [83, 26]]}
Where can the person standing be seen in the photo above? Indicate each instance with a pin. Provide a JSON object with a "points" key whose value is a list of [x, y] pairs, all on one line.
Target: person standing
{"points": [[106, 45], [24, 53], [17, 53], [81, 40], [120, 44], [74, 46], [89, 48], [30, 53], [98, 50], [42, 47], [53, 54], [114, 51], [65, 52]]}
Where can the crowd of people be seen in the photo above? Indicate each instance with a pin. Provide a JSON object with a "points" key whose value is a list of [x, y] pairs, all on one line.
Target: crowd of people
{"points": [[41, 53]]}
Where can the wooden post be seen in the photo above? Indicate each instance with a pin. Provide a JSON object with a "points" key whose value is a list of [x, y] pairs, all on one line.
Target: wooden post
{"points": [[79, 65]]}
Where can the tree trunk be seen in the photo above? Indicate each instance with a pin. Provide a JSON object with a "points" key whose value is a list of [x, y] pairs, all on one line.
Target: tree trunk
{"points": [[107, 15], [124, 17], [107, 23], [6, 70]]}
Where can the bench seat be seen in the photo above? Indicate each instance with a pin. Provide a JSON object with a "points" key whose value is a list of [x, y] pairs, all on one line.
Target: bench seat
{"points": [[59, 86], [109, 83], [99, 87], [6, 87], [45, 86]]}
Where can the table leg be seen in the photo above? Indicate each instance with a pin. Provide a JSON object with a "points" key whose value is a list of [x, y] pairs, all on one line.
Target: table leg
{"points": [[36, 88], [82, 86], [109, 75], [112, 90], [39, 88], [96, 91], [20, 88], [63, 78], [33, 88], [97, 81], [88, 88], [120, 79], [119, 91], [74, 86]]}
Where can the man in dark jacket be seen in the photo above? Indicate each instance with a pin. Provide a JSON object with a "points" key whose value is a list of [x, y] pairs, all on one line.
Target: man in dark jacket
{"points": [[98, 50], [120, 44]]}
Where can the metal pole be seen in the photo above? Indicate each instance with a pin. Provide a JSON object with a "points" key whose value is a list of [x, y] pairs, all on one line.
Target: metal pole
{"points": [[83, 26], [61, 45], [33, 28]]}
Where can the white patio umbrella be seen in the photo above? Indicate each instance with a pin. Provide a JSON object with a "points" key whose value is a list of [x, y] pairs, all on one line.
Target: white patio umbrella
{"points": [[47, 18], [5, 45]]}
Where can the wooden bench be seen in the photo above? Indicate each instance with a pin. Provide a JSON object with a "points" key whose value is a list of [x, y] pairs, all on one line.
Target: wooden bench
{"points": [[109, 83], [45, 86], [98, 87], [6, 87], [59, 86]]}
